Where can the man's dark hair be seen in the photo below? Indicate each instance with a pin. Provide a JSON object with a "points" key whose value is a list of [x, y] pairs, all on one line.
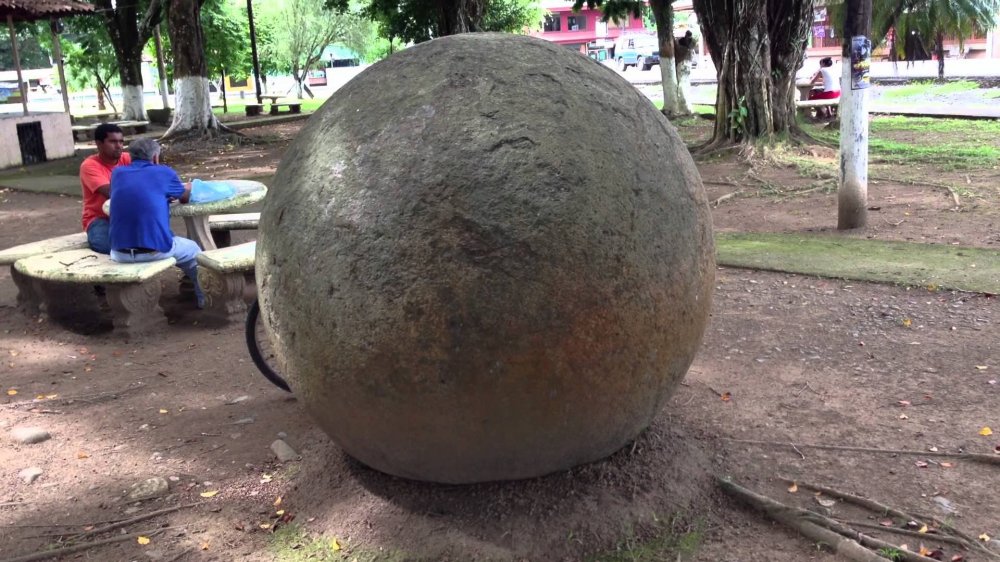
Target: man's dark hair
{"points": [[102, 130], [827, 61]]}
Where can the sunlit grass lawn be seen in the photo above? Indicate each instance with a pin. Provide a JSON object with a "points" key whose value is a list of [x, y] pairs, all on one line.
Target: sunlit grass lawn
{"points": [[927, 89], [239, 105]]}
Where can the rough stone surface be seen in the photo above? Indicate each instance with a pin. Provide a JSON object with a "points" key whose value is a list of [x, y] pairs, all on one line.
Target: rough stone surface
{"points": [[283, 451], [148, 489], [29, 435], [477, 270], [29, 475]]}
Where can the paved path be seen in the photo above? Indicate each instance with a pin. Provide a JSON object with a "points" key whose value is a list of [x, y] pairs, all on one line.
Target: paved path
{"points": [[923, 110]]}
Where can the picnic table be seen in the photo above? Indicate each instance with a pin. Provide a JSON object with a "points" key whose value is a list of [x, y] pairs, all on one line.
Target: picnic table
{"points": [[196, 215]]}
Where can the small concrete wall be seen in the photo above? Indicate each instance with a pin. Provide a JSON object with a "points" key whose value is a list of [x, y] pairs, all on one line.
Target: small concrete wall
{"points": [[56, 133]]}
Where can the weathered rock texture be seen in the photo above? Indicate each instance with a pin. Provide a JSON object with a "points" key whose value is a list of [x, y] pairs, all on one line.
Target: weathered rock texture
{"points": [[486, 257]]}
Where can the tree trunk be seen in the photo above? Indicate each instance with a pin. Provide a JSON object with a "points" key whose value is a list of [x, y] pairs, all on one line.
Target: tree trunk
{"points": [[940, 54], [100, 92], [459, 16], [663, 14], [128, 37], [193, 107], [757, 48]]}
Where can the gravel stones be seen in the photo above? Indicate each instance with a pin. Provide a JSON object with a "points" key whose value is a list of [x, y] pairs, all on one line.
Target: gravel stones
{"points": [[29, 435], [283, 451]]}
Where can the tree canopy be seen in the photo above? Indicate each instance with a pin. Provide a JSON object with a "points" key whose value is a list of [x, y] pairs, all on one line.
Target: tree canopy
{"points": [[421, 20]]}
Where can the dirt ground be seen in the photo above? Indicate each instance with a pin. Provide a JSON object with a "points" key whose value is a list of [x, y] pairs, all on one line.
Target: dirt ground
{"points": [[785, 359]]}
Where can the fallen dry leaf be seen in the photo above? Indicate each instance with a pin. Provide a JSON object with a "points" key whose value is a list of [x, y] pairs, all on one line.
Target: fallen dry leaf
{"points": [[265, 526], [904, 417], [924, 551], [825, 502], [984, 537], [948, 464], [886, 523], [921, 464], [793, 488], [958, 558], [142, 540], [280, 512], [986, 431], [203, 546], [162, 411], [903, 403], [922, 530], [906, 322], [210, 494], [726, 397], [12, 392], [277, 502], [335, 545], [982, 367], [82, 455]]}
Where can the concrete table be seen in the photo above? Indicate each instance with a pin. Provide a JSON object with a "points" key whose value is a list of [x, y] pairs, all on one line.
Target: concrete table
{"points": [[196, 215]]}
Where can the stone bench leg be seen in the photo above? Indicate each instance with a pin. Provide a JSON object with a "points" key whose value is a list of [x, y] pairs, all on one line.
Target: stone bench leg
{"points": [[29, 301], [224, 293], [136, 307]]}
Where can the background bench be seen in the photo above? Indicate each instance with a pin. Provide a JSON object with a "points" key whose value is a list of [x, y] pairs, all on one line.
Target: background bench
{"points": [[86, 132], [292, 107], [253, 109], [221, 226], [133, 292], [222, 274], [27, 300]]}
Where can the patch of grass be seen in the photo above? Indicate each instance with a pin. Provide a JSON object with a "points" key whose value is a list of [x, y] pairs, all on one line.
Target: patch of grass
{"points": [[968, 128], [670, 541], [839, 257], [992, 93], [239, 106], [927, 89], [946, 156], [292, 543]]}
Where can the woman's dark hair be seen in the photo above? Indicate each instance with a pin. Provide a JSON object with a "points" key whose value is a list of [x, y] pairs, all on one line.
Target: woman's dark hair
{"points": [[826, 61]]}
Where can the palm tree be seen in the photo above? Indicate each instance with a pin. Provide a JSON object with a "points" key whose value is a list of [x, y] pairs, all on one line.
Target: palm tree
{"points": [[930, 21], [921, 25]]}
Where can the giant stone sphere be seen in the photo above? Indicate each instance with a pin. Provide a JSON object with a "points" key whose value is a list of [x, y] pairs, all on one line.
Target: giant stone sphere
{"points": [[487, 257]]}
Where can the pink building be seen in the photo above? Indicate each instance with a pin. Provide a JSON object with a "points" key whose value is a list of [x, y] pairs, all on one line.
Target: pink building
{"points": [[583, 31]]}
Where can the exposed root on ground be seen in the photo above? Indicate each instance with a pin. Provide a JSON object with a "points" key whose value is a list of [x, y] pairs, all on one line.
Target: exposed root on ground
{"points": [[974, 457], [841, 537], [218, 130], [950, 189]]}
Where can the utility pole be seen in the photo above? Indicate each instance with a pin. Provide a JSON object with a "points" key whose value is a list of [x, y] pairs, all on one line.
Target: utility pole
{"points": [[253, 49], [852, 195]]}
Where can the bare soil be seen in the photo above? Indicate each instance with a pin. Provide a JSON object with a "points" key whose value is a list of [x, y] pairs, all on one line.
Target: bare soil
{"points": [[786, 358]]}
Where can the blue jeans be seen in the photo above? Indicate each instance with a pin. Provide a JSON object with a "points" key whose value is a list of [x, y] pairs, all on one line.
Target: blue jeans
{"points": [[183, 250], [99, 236]]}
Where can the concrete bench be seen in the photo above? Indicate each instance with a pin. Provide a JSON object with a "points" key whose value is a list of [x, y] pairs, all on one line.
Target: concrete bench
{"points": [[222, 274], [133, 292], [27, 300], [805, 107], [222, 225], [86, 132], [292, 107], [253, 109]]}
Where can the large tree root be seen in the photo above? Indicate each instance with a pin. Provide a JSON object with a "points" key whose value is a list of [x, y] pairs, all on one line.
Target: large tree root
{"points": [[832, 534], [217, 130], [974, 457]]}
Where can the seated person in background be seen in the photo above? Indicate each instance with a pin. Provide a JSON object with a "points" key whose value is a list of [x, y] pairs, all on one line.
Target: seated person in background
{"points": [[140, 223], [830, 90], [95, 179]]}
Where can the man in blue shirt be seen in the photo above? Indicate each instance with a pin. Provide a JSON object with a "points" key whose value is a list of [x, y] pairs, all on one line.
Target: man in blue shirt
{"points": [[140, 222]]}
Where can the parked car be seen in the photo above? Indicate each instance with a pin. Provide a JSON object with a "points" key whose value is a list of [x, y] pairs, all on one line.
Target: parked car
{"points": [[639, 51]]}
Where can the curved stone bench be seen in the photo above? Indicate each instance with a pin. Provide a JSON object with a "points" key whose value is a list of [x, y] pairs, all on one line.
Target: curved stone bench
{"points": [[222, 225], [27, 300], [133, 293], [222, 274]]}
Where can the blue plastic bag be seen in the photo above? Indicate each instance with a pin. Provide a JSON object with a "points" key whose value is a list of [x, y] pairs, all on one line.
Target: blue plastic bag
{"points": [[208, 191]]}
